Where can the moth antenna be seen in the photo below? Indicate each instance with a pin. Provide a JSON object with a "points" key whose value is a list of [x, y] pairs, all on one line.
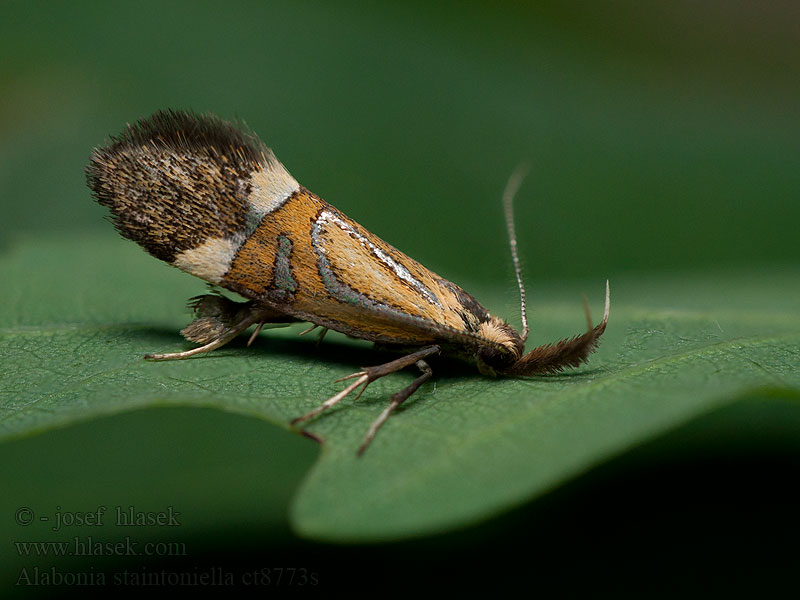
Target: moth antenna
{"points": [[512, 187]]}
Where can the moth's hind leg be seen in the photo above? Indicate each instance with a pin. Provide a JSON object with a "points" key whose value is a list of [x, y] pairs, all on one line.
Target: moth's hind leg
{"points": [[370, 374], [218, 320]]}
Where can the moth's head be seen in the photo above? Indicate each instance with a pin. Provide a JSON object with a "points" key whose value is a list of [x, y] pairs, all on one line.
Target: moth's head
{"points": [[503, 350], [502, 354], [569, 352]]}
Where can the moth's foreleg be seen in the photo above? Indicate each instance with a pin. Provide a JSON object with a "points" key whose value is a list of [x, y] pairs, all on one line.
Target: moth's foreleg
{"points": [[219, 320], [396, 400], [370, 374]]}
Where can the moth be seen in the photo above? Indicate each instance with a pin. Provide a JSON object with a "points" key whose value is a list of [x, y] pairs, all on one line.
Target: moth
{"points": [[207, 196]]}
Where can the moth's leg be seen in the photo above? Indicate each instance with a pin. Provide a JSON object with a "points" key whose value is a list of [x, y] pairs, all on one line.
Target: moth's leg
{"points": [[396, 400], [322, 333], [256, 331], [370, 374], [309, 330], [220, 341], [218, 321]]}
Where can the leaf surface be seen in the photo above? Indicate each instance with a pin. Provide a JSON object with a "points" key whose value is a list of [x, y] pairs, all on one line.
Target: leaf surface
{"points": [[82, 312]]}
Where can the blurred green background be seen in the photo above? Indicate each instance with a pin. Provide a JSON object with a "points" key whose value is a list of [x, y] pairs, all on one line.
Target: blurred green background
{"points": [[661, 135], [663, 139]]}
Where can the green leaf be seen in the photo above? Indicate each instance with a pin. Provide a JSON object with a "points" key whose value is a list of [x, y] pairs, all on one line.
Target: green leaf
{"points": [[82, 312]]}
